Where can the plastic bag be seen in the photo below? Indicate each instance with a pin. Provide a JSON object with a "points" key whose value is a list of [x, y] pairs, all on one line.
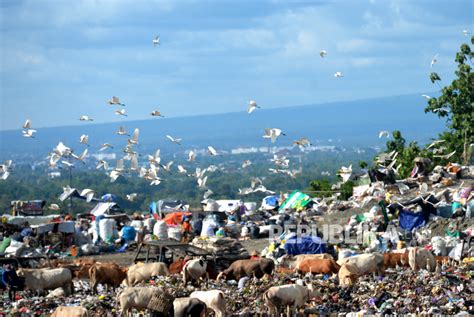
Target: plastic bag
{"points": [[106, 230], [161, 230]]}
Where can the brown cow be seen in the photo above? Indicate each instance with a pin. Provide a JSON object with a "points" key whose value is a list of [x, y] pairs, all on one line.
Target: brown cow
{"points": [[392, 260], [318, 266], [177, 266], [109, 274], [250, 268]]}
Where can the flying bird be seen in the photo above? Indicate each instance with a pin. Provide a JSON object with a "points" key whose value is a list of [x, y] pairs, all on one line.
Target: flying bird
{"points": [[116, 101], [85, 118], [155, 159], [384, 133], [302, 142], [323, 53], [81, 157], [105, 146], [167, 166], [120, 112], [134, 139], [465, 32], [252, 106], [102, 164], [68, 164], [173, 140], [181, 169], [207, 194], [29, 133], [27, 124], [325, 173], [202, 182], [338, 74], [246, 164], [131, 197], [157, 113], [156, 41], [273, 134], [88, 193], [211, 151], [62, 150], [447, 156], [436, 142], [191, 156], [434, 60], [426, 97], [121, 131], [345, 173], [84, 139]]}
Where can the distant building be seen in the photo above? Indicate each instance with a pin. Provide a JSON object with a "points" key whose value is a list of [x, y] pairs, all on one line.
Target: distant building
{"points": [[104, 156], [244, 150], [54, 175]]}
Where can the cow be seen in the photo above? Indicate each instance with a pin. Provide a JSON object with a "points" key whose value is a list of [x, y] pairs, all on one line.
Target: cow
{"points": [[214, 299], [293, 261], [251, 268], [392, 260], [47, 279], [144, 271], [348, 274], [193, 270], [187, 306], [420, 258], [366, 263], [137, 297], [317, 266], [278, 297], [70, 311], [109, 274]]}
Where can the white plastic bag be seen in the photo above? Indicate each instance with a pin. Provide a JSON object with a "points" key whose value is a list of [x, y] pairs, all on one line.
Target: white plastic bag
{"points": [[175, 233], [107, 229], [161, 230]]}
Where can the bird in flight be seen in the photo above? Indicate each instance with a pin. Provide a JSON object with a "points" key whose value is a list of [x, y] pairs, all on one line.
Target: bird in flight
{"points": [[156, 41], [273, 134], [121, 131], [338, 75], [426, 97], [85, 118], [434, 60], [173, 140], [120, 112], [116, 101], [157, 113], [447, 156], [302, 142], [134, 139], [212, 151], [131, 197], [252, 106], [84, 139], [384, 133], [105, 146], [191, 156], [323, 53], [29, 133]]}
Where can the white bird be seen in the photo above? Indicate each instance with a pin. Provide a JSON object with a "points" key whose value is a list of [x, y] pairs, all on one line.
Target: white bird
{"points": [[132, 196], [447, 156], [167, 166], [255, 181], [212, 168], [426, 97], [115, 101], [135, 135], [4, 169], [202, 182], [62, 150], [105, 146], [134, 163], [53, 207], [85, 118], [338, 74], [246, 164], [156, 181], [207, 194], [181, 169], [384, 133], [245, 191], [434, 60], [465, 32], [325, 173], [155, 159], [121, 131], [156, 41], [191, 156], [175, 141], [211, 151], [323, 53], [88, 193], [302, 142], [273, 134], [27, 124], [81, 157], [120, 112], [252, 106], [114, 174], [436, 142], [29, 133], [157, 113], [84, 139], [263, 189], [200, 172], [102, 164], [345, 173]]}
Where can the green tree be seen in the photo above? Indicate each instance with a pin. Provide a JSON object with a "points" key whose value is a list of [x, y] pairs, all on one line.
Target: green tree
{"points": [[456, 104], [322, 187]]}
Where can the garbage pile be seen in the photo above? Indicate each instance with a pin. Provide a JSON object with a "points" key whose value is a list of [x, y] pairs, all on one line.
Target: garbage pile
{"points": [[226, 250]]}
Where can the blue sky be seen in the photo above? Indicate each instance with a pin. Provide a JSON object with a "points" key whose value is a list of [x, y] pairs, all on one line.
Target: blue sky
{"points": [[64, 59]]}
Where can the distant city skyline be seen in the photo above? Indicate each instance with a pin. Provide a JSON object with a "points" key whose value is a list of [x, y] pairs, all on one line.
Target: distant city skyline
{"points": [[62, 59]]}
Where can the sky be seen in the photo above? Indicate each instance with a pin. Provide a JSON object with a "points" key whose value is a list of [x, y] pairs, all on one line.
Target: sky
{"points": [[64, 59]]}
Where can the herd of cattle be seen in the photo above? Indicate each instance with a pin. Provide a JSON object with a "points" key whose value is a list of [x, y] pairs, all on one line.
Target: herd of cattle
{"points": [[135, 294]]}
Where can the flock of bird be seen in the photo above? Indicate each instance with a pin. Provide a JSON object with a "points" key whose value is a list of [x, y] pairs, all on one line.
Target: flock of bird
{"points": [[153, 172]]}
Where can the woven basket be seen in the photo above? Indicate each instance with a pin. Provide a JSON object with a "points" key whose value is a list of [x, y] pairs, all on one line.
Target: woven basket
{"points": [[161, 303]]}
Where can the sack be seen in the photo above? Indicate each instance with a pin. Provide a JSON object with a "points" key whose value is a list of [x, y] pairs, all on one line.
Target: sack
{"points": [[161, 303], [175, 233], [161, 230], [106, 229]]}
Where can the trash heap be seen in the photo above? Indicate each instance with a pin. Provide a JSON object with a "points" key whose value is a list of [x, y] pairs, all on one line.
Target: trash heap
{"points": [[226, 250]]}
